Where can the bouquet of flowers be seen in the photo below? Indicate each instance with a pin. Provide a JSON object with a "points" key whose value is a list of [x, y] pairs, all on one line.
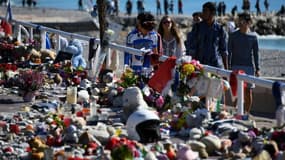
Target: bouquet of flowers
{"points": [[30, 80], [129, 78], [5, 67], [189, 68], [189, 71]]}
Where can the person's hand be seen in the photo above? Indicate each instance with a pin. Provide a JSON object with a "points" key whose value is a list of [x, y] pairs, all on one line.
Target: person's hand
{"points": [[257, 73]]}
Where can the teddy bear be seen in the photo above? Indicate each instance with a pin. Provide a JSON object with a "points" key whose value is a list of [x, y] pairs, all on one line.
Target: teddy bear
{"points": [[38, 147], [75, 47], [132, 101], [47, 54], [35, 56]]}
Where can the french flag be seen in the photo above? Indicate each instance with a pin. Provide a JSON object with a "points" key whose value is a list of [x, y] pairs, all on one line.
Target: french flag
{"points": [[8, 16]]}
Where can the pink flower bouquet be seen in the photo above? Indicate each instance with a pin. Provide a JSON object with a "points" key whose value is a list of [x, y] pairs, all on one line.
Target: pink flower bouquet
{"points": [[30, 80]]}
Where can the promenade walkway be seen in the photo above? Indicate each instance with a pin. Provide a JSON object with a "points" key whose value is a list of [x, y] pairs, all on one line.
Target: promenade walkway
{"points": [[47, 15]]}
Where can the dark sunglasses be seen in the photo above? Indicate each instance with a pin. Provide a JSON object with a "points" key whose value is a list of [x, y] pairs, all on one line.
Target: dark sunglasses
{"points": [[166, 22]]}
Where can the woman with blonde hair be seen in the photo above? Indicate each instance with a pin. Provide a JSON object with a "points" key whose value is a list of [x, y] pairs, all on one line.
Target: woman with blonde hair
{"points": [[171, 39]]}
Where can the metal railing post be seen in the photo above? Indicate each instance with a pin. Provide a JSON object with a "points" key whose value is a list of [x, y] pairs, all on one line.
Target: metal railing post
{"points": [[19, 35], [240, 97], [31, 33], [58, 43], [43, 39]]}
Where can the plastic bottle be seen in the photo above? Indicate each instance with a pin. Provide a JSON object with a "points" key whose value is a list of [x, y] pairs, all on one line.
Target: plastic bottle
{"points": [[93, 107], [71, 95]]}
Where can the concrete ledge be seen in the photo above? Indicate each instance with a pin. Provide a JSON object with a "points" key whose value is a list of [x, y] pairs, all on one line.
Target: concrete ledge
{"points": [[71, 27]]}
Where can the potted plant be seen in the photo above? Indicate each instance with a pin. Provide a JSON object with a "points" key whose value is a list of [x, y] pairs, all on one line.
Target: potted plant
{"points": [[29, 82]]}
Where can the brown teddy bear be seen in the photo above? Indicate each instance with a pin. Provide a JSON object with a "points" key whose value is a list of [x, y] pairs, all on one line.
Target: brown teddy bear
{"points": [[46, 53], [35, 56], [38, 147]]}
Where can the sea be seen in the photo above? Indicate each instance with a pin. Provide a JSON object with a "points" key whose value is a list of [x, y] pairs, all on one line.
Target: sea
{"points": [[189, 6]]}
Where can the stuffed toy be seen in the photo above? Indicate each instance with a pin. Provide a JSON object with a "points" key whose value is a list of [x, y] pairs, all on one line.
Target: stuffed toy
{"points": [[212, 142], [35, 56], [75, 47], [100, 132], [38, 147], [199, 147], [132, 101], [186, 153], [47, 54], [245, 143], [71, 134]]}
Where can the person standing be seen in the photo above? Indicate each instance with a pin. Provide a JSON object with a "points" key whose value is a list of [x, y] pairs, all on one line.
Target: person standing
{"points": [[171, 6], [180, 7], [140, 6], [208, 40], [34, 3], [223, 8], [23, 3], [266, 5], [244, 53], [129, 7], [196, 18], [246, 5], [111, 8], [281, 12], [142, 37], [166, 6], [116, 7], [29, 2], [158, 8], [80, 5], [171, 37], [258, 12], [219, 9], [234, 11]]}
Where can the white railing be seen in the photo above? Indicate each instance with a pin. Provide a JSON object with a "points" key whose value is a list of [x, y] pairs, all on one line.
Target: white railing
{"points": [[221, 72], [21, 27], [241, 79]]}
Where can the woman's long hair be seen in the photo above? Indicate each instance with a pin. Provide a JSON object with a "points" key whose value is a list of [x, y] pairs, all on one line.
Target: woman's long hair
{"points": [[174, 30]]}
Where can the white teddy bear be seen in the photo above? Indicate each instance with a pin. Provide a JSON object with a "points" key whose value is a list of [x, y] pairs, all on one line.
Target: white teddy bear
{"points": [[132, 101]]}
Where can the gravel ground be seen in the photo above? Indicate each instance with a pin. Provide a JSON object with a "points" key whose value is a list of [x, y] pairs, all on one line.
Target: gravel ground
{"points": [[272, 63]]}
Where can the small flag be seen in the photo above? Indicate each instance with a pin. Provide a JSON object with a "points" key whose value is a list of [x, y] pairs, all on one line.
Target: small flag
{"points": [[48, 43], [8, 16]]}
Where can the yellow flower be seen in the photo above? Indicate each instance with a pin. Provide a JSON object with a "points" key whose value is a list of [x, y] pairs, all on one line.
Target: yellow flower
{"points": [[128, 73], [188, 69]]}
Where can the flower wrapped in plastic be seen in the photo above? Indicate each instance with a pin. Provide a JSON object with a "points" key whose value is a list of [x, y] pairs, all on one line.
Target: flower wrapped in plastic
{"points": [[189, 68], [128, 78], [189, 71], [30, 80]]}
